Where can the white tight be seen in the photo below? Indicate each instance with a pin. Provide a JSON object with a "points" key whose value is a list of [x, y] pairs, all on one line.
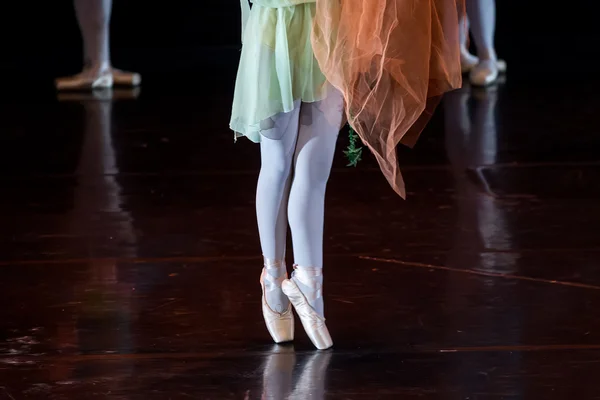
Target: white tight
{"points": [[93, 17], [482, 22], [297, 151]]}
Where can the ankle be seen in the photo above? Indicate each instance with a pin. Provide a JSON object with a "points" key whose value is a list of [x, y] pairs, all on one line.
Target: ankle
{"points": [[488, 55], [309, 276], [274, 267], [97, 68]]}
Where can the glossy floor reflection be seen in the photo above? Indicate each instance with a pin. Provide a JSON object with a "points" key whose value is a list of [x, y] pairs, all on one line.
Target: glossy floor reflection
{"points": [[130, 259]]}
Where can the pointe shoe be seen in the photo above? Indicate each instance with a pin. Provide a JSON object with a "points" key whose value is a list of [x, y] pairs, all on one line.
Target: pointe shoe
{"points": [[86, 80], [313, 323], [126, 78], [279, 325], [484, 74], [468, 61]]}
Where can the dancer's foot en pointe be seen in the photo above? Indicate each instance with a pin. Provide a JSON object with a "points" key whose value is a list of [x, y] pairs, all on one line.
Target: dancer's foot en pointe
{"points": [[305, 291], [276, 308]]}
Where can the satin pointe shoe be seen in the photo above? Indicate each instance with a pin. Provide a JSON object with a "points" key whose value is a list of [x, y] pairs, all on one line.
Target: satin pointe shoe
{"points": [[485, 73], [279, 325], [86, 80], [313, 323], [469, 61]]}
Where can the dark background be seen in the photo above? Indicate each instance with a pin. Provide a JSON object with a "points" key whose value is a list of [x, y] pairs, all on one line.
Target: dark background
{"points": [[40, 39]]}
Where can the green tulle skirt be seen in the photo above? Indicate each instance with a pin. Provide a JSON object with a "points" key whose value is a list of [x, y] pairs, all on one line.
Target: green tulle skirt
{"points": [[277, 65]]}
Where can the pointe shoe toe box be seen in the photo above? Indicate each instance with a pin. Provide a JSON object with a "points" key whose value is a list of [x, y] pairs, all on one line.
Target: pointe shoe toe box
{"points": [[313, 323], [279, 325]]}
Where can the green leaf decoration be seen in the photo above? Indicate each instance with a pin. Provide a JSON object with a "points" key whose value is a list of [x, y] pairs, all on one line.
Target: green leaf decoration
{"points": [[353, 153]]}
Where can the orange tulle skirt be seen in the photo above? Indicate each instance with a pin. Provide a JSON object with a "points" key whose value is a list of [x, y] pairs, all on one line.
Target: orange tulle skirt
{"points": [[392, 60]]}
